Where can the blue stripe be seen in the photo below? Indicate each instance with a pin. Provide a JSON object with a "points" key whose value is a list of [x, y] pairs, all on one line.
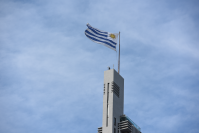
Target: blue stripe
{"points": [[114, 43], [94, 39], [88, 25], [95, 31], [97, 41], [104, 36]]}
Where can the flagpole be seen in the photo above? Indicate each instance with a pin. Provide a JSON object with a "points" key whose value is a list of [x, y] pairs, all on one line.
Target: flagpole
{"points": [[119, 55]]}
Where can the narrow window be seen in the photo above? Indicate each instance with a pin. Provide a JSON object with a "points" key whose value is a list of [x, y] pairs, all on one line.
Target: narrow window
{"points": [[107, 93], [107, 105], [104, 89], [114, 121], [114, 130]]}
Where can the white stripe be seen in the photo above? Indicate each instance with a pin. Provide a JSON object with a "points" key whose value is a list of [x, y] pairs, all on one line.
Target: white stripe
{"points": [[106, 38], [97, 30], [100, 39], [104, 44], [96, 34]]}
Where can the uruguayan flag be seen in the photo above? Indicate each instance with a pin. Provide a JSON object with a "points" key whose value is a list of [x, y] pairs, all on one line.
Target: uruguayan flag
{"points": [[105, 38]]}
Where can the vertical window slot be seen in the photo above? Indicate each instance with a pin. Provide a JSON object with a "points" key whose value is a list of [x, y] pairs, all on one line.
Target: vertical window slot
{"points": [[107, 105]]}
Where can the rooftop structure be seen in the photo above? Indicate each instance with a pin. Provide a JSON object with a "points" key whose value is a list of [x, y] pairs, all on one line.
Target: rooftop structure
{"points": [[114, 120]]}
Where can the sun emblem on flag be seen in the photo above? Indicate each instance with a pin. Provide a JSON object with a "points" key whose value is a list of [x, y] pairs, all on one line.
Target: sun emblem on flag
{"points": [[112, 36]]}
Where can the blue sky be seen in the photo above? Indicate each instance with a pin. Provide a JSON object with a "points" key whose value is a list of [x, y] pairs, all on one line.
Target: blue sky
{"points": [[51, 74]]}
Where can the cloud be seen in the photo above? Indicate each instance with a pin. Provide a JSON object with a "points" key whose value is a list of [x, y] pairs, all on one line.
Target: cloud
{"points": [[52, 76]]}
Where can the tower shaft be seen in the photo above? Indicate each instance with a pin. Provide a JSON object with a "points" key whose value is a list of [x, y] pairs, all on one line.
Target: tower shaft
{"points": [[113, 101]]}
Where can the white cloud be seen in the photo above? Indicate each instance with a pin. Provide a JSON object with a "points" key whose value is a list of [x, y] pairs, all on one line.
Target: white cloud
{"points": [[52, 75]]}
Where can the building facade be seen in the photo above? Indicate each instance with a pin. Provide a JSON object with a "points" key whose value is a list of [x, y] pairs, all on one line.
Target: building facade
{"points": [[114, 120]]}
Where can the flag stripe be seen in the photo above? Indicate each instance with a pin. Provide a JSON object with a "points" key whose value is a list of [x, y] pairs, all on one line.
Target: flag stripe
{"points": [[101, 32], [98, 33], [97, 39], [95, 35], [101, 42], [101, 37]]}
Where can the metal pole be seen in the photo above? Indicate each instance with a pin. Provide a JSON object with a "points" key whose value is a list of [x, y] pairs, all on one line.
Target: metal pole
{"points": [[119, 55]]}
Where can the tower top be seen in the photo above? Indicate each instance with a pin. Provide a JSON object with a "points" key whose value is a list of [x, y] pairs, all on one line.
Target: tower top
{"points": [[114, 72], [114, 120]]}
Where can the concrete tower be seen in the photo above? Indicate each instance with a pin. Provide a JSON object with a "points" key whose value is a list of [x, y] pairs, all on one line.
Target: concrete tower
{"points": [[113, 101], [114, 120]]}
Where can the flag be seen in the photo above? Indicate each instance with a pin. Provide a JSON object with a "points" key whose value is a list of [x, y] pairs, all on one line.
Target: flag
{"points": [[105, 38]]}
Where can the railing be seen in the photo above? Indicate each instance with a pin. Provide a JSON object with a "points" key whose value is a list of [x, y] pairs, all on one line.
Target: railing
{"points": [[123, 118]]}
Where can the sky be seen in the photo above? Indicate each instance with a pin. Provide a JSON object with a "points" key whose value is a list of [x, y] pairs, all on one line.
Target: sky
{"points": [[51, 74]]}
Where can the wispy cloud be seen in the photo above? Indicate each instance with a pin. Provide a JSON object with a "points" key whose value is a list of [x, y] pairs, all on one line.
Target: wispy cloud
{"points": [[52, 76]]}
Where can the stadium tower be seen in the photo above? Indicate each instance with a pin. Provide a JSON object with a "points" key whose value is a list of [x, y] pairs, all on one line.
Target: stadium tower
{"points": [[114, 120]]}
